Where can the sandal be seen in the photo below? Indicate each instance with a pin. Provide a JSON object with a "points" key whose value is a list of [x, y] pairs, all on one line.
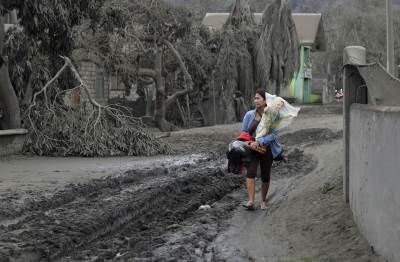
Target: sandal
{"points": [[249, 206]]}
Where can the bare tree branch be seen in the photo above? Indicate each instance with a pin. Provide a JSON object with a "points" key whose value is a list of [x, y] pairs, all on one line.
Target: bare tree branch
{"points": [[188, 78], [44, 89]]}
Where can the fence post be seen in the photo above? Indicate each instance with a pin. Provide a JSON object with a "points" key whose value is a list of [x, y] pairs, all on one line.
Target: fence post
{"points": [[352, 56]]}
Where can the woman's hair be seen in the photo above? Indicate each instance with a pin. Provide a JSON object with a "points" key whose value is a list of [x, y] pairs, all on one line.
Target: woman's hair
{"points": [[261, 92]]}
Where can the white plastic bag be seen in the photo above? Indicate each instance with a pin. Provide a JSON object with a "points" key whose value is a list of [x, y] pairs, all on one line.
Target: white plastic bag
{"points": [[287, 111]]}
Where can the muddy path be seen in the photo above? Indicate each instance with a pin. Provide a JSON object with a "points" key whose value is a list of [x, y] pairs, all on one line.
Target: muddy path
{"points": [[307, 219], [15, 202], [153, 214], [82, 214]]}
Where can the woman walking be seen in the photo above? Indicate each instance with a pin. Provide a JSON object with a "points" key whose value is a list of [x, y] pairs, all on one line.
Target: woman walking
{"points": [[264, 160]]}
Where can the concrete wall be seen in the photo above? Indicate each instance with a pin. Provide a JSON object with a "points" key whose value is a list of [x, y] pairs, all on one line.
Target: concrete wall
{"points": [[352, 80], [374, 167], [12, 141]]}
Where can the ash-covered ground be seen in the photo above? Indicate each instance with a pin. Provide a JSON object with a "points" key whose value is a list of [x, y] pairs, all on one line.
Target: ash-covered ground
{"points": [[184, 207]]}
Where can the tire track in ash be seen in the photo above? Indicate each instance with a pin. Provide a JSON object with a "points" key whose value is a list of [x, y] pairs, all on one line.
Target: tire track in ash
{"points": [[14, 205]]}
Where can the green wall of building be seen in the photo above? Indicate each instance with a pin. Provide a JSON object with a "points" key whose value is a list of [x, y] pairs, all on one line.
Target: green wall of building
{"points": [[301, 85]]}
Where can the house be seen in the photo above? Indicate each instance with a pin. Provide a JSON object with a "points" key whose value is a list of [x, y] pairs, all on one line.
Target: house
{"points": [[311, 35], [103, 86]]}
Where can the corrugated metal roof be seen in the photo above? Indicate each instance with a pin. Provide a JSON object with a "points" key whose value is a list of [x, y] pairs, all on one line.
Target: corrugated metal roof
{"points": [[309, 27]]}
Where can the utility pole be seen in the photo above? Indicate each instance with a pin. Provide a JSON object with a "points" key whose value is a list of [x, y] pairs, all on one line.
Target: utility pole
{"points": [[389, 37]]}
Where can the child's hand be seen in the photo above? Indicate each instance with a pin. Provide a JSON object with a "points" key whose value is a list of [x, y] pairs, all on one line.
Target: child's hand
{"points": [[266, 109]]}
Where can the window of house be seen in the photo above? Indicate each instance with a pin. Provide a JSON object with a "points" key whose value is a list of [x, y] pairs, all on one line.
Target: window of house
{"points": [[116, 83], [99, 86]]}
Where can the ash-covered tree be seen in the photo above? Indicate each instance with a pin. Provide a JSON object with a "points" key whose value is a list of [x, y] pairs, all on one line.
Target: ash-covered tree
{"points": [[277, 48], [235, 71], [42, 73], [47, 28], [8, 98], [198, 52], [251, 56], [164, 28], [145, 32]]}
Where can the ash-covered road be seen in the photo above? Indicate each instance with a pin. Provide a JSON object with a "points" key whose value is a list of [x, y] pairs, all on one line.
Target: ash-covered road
{"points": [[141, 214], [152, 212]]}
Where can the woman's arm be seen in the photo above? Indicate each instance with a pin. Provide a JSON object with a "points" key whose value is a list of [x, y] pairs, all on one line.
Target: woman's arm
{"points": [[266, 140], [246, 122]]}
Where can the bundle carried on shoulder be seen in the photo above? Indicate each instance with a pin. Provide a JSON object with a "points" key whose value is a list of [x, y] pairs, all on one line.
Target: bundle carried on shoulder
{"points": [[278, 114]]}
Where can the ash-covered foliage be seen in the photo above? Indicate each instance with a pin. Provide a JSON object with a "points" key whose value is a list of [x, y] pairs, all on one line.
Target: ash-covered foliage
{"points": [[234, 69], [29, 68], [277, 48], [235, 72], [86, 128], [67, 131], [47, 30]]}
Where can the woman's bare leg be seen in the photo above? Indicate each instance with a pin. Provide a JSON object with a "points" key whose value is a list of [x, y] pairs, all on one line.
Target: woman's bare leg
{"points": [[264, 193], [251, 190]]}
